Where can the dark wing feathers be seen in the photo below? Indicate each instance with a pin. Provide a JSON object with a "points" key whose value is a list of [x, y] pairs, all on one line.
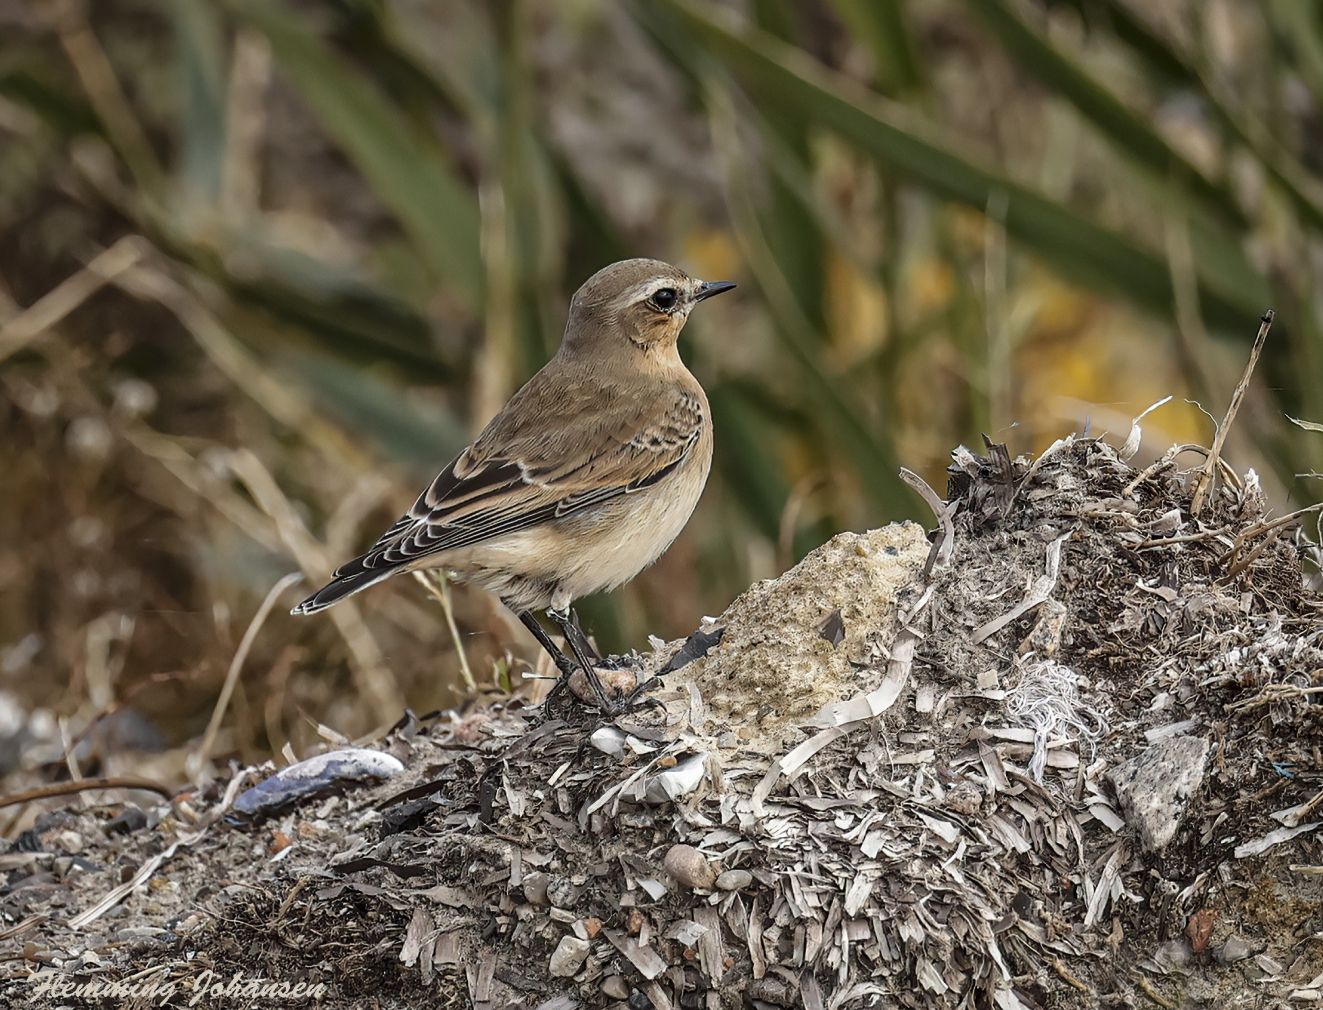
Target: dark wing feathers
{"points": [[484, 493]]}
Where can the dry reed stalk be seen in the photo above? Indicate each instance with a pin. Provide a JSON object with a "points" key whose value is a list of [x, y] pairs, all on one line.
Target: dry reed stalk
{"points": [[1206, 478]]}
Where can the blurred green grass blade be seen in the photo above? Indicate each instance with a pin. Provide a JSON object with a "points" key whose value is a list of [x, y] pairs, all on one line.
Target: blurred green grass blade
{"points": [[882, 27], [1161, 61], [339, 310], [66, 113], [911, 148], [369, 405], [200, 63], [406, 171], [1131, 134], [1299, 26], [839, 420], [787, 224], [744, 454]]}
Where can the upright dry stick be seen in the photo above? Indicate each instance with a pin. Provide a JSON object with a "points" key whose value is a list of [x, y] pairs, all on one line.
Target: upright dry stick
{"points": [[1210, 466]]}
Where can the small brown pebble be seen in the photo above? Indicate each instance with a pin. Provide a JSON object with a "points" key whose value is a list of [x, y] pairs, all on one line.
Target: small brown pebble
{"points": [[592, 926], [1200, 929], [689, 867], [618, 684], [667, 761], [615, 987], [634, 922], [734, 880], [278, 842]]}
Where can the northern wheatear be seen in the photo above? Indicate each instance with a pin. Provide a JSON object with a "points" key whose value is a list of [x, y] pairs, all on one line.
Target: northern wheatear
{"points": [[583, 479]]}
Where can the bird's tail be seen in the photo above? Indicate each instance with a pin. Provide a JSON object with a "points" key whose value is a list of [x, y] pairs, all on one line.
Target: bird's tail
{"points": [[342, 586]]}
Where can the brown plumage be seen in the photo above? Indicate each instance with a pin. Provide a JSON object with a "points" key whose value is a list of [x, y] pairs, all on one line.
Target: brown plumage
{"points": [[585, 477]]}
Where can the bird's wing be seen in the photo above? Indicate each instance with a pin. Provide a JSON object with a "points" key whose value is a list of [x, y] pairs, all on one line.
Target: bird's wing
{"points": [[487, 492]]}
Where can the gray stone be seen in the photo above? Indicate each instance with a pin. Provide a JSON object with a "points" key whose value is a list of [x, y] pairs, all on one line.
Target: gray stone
{"points": [[734, 880], [615, 986], [568, 957], [535, 888], [1236, 948], [1155, 787], [561, 892]]}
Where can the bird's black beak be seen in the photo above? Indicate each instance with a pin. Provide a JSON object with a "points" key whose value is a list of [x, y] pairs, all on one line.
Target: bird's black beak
{"points": [[709, 288]]}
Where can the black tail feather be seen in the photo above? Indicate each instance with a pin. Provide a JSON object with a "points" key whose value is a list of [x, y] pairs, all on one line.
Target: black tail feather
{"points": [[340, 587]]}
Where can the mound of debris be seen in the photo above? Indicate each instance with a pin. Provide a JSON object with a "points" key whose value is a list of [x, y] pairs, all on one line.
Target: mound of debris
{"points": [[1062, 752]]}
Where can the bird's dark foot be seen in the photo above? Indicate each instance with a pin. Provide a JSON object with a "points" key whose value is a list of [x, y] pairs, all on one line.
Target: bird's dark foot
{"points": [[579, 641]]}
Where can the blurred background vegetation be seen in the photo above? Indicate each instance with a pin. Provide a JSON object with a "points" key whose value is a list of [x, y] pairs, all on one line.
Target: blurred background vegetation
{"points": [[266, 264]]}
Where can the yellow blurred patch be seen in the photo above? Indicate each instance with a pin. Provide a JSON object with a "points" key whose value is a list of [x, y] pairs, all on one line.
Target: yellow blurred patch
{"points": [[856, 311]]}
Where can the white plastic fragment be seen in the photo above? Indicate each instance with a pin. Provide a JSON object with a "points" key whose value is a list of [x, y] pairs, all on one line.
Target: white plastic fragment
{"points": [[673, 783]]}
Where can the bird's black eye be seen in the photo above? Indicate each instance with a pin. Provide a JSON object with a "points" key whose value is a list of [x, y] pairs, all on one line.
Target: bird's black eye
{"points": [[665, 298]]}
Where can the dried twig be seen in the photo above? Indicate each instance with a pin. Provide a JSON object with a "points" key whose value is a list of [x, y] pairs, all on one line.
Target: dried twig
{"points": [[83, 785], [199, 757], [1067, 977], [65, 297], [437, 585], [1205, 479], [940, 556], [1147, 988]]}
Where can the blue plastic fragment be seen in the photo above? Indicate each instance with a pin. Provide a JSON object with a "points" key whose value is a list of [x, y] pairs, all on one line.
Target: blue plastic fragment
{"points": [[314, 776]]}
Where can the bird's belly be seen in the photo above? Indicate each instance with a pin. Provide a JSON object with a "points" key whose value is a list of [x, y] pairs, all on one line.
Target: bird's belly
{"points": [[587, 552], [610, 547]]}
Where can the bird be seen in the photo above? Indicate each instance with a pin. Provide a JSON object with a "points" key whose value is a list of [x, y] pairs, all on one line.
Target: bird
{"points": [[582, 480]]}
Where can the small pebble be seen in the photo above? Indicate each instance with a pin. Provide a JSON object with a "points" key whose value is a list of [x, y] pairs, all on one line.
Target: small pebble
{"points": [[535, 888], [734, 880], [615, 987], [568, 957], [68, 841], [689, 868], [1236, 948], [127, 821], [634, 922], [561, 892]]}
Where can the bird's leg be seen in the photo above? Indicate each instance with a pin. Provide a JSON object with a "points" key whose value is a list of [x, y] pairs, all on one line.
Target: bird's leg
{"points": [[562, 620], [581, 641], [563, 662]]}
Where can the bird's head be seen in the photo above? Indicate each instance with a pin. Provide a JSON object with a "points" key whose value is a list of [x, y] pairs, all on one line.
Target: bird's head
{"points": [[640, 303]]}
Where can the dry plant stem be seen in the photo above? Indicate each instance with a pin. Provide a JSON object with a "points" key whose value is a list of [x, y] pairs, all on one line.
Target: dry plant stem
{"points": [[84, 785], [1206, 478], [277, 398], [65, 297], [941, 552], [1068, 978], [1147, 988], [203, 752], [1041, 591], [1266, 527], [195, 477], [1168, 457], [107, 98], [799, 496], [438, 587], [245, 122], [22, 927], [375, 678]]}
